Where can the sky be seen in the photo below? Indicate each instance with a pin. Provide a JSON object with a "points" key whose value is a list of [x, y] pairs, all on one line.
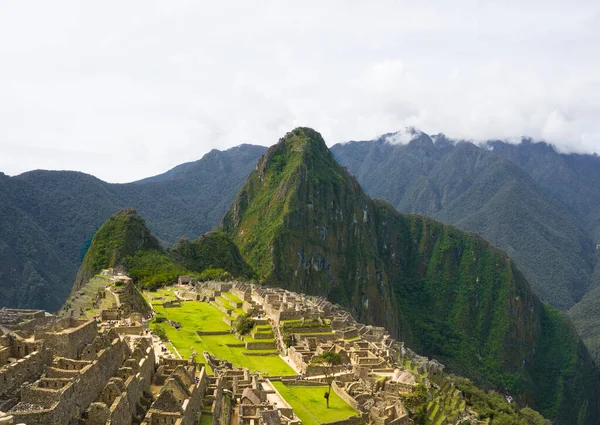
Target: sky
{"points": [[128, 89]]}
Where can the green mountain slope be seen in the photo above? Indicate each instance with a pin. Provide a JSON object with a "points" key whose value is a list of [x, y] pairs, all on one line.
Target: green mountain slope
{"points": [[48, 218], [120, 237], [586, 317], [304, 223], [572, 178], [125, 242], [213, 250], [481, 191]]}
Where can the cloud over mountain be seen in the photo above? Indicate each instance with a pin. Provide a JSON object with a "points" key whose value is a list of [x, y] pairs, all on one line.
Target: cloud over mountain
{"points": [[162, 84]]}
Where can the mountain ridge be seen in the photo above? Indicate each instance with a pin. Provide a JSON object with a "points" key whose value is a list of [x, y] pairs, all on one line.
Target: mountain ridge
{"points": [[54, 215], [478, 190]]}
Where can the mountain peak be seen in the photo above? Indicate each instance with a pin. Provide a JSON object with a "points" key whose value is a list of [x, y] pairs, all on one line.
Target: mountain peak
{"points": [[120, 236], [301, 147], [301, 139], [403, 136]]}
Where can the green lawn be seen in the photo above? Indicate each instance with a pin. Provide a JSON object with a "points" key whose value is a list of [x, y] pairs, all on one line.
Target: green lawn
{"points": [[309, 404], [271, 365], [225, 302], [193, 316], [231, 297], [167, 293], [206, 419]]}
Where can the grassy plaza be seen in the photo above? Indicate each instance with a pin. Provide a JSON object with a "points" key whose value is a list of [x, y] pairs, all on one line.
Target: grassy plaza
{"points": [[201, 316], [309, 404]]}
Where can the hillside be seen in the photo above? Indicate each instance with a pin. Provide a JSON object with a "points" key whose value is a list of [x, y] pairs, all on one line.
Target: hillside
{"points": [[302, 222], [480, 190], [123, 234], [125, 243], [572, 178], [49, 217], [213, 250]]}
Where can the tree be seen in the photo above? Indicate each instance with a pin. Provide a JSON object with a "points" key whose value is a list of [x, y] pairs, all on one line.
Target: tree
{"points": [[329, 359], [244, 324], [160, 332]]}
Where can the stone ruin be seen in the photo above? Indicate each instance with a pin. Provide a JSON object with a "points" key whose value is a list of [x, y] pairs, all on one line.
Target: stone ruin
{"points": [[376, 370], [63, 371]]}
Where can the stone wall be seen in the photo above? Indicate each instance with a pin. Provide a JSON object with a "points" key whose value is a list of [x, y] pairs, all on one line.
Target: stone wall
{"points": [[341, 392], [242, 294], [322, 337], [193, 405], [5, 353], [309, 329], [69, 342], [247, 306], [218, 404], [29, 368], [129, 330], [110, 314], [60, 407], [261, 345]]}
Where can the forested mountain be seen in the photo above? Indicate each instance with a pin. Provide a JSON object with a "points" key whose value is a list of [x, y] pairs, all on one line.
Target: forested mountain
{"points": [[539, 205], [304, 223], [124, 241], [48, 218], [506, 193], [572, 178]]}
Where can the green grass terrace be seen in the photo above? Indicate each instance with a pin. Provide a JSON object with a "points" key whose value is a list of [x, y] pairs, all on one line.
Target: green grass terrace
{"points": [[201, 316], [309, 404]]}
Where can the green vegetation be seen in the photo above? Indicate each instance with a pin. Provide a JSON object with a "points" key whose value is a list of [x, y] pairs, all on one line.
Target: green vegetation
{"points": [[586, 318], [416, 403], [160, 332], [151, 269], [124, 234], [214, 274], [303, 223], [124, 240], [504, 195], [206, 419], [197, 316], [53, 216], [308, 405], [212, 251], [159, 295], [562, 368], [244, 324], [194, 316], [495, 407], [329, 359]]}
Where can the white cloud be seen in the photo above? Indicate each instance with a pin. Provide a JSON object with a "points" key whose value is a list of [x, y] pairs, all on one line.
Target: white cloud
{"points": [[155, 84], [403, 136]]}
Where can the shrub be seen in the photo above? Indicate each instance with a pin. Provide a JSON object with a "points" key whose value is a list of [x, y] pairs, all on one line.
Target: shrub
{"points": [[160, 332], [214, 274], [244, 324]]}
